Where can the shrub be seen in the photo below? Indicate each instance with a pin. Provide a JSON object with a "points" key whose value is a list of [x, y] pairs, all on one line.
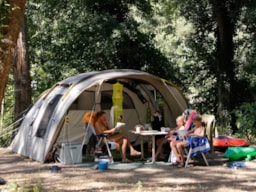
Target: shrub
{"points": [[246, 120]]}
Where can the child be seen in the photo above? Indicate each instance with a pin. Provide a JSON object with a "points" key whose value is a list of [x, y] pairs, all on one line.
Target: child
{"points": [[160, 142], [178, 146], [180, 121]]}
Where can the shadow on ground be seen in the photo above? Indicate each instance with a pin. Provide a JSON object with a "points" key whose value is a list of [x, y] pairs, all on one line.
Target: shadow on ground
{"points": [[136, 176]]}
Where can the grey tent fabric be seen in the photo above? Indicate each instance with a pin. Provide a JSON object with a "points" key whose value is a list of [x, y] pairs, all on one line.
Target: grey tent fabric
{"points": [[56, 117]]}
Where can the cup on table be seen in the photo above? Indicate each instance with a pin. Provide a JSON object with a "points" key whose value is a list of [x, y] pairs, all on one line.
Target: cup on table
{"points": [[138, 129], [162, 129]]}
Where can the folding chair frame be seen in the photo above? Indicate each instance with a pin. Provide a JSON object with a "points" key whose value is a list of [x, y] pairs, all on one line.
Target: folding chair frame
{"points": [[189, 157], [103, 137]]}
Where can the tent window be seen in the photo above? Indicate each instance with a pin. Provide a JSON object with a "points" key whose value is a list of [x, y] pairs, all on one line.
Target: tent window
{"points": [[106, 100], [47, 116]]}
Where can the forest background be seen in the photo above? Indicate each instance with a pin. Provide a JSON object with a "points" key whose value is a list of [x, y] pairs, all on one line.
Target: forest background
{"points": [[206, 47]]}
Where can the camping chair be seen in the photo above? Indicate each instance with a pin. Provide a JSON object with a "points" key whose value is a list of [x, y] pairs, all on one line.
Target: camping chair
{"points": [[211, 131], [199, 145], [188, 115], [100, 140]]}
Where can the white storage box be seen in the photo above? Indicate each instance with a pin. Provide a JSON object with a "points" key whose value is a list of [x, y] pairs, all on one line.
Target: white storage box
{"points": [[71, 153]]}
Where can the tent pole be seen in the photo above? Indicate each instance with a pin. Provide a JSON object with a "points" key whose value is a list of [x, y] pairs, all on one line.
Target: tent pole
{"points": [[97, 98], [94, 108]]}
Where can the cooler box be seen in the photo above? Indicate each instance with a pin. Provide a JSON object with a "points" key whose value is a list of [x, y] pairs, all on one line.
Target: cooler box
{"points": [[71, 153]]}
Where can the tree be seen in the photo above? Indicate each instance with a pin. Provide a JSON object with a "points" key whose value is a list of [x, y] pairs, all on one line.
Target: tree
{"points": [[21, 75], [218, 18], [13, 12], [79, 36]]}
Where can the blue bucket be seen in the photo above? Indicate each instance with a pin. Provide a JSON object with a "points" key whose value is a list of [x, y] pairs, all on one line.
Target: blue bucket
{"points": [[103, 165]]}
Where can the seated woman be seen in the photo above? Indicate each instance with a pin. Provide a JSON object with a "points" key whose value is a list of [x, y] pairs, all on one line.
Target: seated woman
{"points": [[160, 142], [178, 145], [102, 126]]}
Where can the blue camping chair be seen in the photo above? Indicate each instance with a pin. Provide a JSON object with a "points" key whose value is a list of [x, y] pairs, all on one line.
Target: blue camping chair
{"points": [[199, 146]]}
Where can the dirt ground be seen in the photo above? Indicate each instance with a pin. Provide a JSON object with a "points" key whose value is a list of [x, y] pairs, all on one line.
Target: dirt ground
{"points": [[22, 174]]}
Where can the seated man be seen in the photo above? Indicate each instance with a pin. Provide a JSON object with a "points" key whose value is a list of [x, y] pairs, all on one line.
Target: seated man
{"points": [[102, 126], [178, 145]]}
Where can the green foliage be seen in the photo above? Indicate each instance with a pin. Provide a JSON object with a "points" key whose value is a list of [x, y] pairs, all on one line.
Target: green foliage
{"points": [[74, 37], [214, 85], [176, 40], [246, 48], [7, 114], [139, 185], [246, 120], [189, 49], [173, 39]]}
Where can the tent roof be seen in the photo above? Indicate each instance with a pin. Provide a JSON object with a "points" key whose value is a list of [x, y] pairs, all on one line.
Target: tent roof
{"points": [[105, 75]]}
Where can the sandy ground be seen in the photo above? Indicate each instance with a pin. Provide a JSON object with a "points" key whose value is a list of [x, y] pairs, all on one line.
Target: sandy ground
{"points": [[24, 174]]}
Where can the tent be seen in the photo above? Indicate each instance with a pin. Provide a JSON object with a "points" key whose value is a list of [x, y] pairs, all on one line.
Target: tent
{"points": [[56, 117]]}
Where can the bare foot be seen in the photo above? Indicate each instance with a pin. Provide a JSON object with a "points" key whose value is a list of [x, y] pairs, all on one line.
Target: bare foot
{"points": [[181, 164], [135, 153]]}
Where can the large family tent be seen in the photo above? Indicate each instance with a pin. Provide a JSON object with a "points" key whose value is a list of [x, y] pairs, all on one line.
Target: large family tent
{"points": [[56, 117]]}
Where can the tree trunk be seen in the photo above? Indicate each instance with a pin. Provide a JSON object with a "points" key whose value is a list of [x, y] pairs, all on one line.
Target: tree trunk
{"points": [[8, 42], [225, 32], [21, 75]]}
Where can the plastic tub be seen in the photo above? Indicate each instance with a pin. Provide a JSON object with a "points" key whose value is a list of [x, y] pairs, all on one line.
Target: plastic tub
{"points": [[102, 166]]}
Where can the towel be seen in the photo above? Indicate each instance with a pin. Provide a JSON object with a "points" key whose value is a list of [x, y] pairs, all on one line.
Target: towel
{"points": [[198, 145]]}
